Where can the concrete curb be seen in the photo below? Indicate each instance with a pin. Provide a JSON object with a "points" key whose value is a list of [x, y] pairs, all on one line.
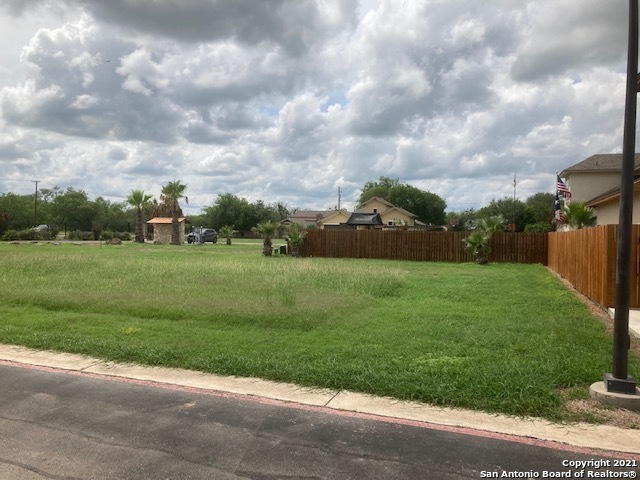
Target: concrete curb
{"points": [[597, 437]]}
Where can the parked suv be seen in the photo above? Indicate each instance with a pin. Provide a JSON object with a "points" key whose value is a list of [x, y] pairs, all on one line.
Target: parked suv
{"points": [[202, 235]]}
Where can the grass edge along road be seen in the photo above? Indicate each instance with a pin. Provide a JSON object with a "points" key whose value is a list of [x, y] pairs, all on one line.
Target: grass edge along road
{"points": [[505, 338]]}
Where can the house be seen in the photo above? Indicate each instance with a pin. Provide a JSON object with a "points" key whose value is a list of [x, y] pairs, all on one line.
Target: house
{"points": [[381, 214], [308, 218], [596, 181], [390, 214], [607, 205], [335, 219], [162, 228]]}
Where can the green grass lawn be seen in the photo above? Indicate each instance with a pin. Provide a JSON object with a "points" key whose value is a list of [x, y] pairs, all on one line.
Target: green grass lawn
{"points": [[502, 338]]}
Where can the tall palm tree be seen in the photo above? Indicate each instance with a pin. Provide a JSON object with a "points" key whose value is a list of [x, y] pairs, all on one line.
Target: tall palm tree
{"points": [[266, 229], [172, 192], [578, 215], [138, 199]]}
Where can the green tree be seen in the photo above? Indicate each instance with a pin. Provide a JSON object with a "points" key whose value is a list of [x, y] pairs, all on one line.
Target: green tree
{"points": [[462, 221], [229, 209], [172, 193], [578, 215], [508, 209], [429, 207], [138, 200], [266, 229], [73, 210], [539, 211], [17, 211]]}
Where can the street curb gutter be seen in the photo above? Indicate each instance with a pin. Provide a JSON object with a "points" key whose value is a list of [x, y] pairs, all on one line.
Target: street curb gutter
{"points": [[598, 437]]}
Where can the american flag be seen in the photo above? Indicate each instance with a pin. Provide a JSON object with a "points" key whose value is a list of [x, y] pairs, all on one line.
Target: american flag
{"points": [[562, 188], [558, 215]]}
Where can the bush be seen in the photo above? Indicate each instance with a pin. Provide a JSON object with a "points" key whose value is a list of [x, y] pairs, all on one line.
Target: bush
{"points": [[26, 235], [108, 235], [10, 235], [79, 235], [538, 227]]}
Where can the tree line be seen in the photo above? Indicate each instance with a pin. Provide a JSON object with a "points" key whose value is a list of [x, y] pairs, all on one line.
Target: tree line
{"points": [[72, 210]]}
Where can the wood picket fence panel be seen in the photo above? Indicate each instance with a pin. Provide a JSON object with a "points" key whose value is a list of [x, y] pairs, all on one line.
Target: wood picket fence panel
{"points": [[587, 259], [421, 245]]}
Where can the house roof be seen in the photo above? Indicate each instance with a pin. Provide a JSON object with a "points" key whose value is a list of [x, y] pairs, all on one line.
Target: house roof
{"points": [[306, 217], [603, 162], [334, 213], [164, 220], [401, 210], [364, 219], [379, 199]]}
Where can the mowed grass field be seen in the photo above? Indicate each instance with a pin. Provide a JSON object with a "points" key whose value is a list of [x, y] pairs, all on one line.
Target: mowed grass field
{"points": [[503, 338]]}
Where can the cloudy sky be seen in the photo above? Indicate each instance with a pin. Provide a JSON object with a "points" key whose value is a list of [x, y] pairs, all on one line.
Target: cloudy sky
{"points": [[288, 100]]}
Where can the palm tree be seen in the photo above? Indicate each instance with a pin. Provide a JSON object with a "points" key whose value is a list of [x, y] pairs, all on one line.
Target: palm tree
{"points": [[138, 199], [227, 232], [478, 240], [296, 233], [578, 215], [492, 224], [266, 229], [171, 193], [478, 243]]}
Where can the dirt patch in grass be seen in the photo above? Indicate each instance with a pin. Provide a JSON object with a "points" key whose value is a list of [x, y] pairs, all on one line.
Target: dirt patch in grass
{"points": [[588, 409], [592, 411]]}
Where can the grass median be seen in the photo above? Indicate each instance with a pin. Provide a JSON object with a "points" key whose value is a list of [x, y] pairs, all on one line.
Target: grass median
{"points": [[502, 338]]}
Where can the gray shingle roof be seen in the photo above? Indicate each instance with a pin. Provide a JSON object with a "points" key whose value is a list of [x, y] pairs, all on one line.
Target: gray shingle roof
{"points": [[603, 162]]}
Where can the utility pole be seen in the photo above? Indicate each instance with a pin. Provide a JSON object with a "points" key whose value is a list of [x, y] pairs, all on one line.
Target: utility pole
{"points": [[35, 204], [339, 196], [513, 232]]}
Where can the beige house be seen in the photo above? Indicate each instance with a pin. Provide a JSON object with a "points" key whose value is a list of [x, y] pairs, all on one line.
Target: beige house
{"points": [[596, 181], [308, 218], [391, 215], [162, 227], [334, 219], [607, 205]]}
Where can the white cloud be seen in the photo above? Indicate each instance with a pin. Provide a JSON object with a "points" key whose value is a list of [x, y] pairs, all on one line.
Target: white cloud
{"points": [[284, 101]]}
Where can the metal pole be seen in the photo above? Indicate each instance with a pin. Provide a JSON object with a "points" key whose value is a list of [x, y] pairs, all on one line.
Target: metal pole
{"points": [[618, 380], [35, 204]]}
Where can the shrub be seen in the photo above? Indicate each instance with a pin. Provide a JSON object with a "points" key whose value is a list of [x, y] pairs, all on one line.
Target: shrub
{"points": [[26, 235], [108, 235], [10, 235], [80, 235]]}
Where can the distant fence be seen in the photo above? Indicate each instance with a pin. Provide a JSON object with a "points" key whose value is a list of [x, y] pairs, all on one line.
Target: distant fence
{"points": [[422, 245], [587, 259]]}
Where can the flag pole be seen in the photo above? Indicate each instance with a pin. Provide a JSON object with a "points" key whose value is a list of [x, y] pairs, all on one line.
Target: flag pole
{"points": [[618, 381]]}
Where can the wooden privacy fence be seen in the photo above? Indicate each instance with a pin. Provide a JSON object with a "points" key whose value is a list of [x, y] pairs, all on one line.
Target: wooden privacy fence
{"points": [[587, 259], [422, 245]]}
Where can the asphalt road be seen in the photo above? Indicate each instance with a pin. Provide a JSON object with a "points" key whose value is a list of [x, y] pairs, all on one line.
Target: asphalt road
{"points": [[57, 425]]}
